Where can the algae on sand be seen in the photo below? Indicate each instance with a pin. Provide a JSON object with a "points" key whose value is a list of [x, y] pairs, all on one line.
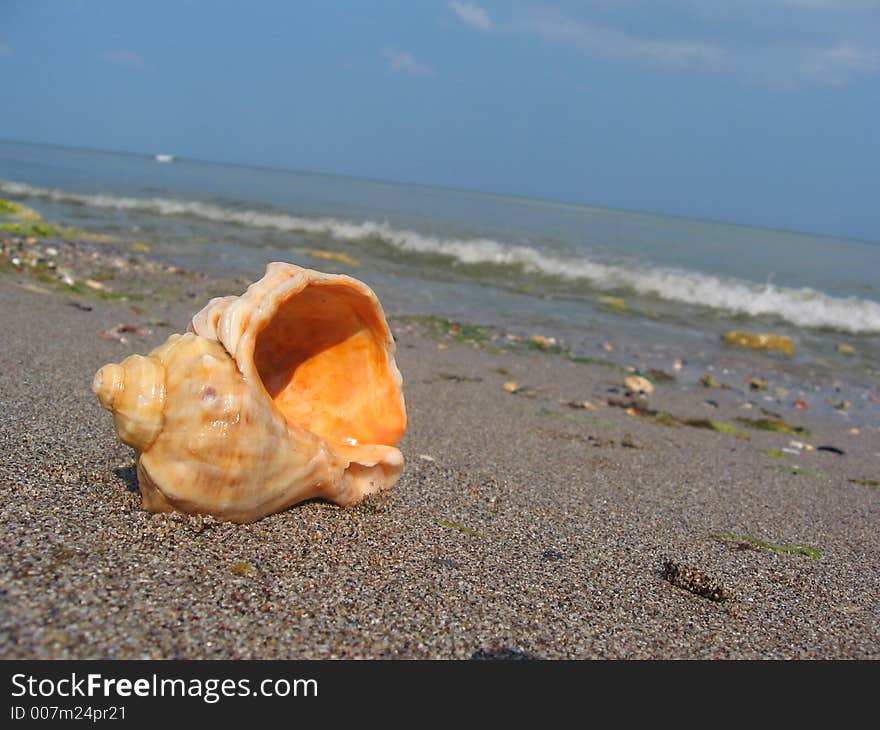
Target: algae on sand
{"points": [[441, 328], [10, 208], [546, 346], [456, 378], [585, 360], [775, 453], [663, 418], [774, 424], [787, 548], [720, 426], [37, 229], [460, 528], [799, 471], [865, 482]]}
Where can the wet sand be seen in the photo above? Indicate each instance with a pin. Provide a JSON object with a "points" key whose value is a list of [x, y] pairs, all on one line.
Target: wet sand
{"points": [[520, 527]]}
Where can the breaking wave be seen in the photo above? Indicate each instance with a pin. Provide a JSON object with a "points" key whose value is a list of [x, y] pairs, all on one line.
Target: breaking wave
{"points": [[803, 307]]}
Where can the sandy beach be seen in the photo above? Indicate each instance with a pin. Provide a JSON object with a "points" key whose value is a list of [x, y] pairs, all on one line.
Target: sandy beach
{"points": [[521, 527]]}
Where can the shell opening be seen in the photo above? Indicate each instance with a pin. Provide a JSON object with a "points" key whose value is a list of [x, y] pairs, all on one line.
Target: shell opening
{"points": [[324, 360]]}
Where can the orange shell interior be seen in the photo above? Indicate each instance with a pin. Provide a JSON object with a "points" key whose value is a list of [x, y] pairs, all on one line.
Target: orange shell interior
{"points": [[323, 360]]}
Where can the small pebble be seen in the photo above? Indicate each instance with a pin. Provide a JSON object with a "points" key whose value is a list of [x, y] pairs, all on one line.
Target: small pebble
{"points": [[639, 384], [694, 580]]}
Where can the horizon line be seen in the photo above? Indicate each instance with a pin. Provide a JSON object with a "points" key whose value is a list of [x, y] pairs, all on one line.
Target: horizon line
{"points": [[457, 190]]}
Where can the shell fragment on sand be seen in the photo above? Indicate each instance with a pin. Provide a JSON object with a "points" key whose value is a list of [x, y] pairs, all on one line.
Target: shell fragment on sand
{"points": [[639, 384], [694, 580]]}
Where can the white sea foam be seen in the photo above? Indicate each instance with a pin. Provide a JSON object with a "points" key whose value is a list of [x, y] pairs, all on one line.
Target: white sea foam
{"points": [[803, 307]]}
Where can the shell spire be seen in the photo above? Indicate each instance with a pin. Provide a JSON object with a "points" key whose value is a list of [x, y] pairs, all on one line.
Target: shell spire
{"points": [[134, 392]]}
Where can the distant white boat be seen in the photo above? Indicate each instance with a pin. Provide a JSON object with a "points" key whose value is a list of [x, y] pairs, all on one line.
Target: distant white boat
{"points": [[164, 158]]}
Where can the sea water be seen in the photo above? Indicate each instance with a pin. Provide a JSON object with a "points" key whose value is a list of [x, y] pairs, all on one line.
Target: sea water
{"points": [[661, 284]]}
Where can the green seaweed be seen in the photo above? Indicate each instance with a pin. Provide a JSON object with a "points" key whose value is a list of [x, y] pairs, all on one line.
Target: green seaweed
{"points": [[456, 378], [661, 418], [17, 210], [552, 348], [777, 425], [41, 273], [583, 360], [37, 229], [664, 418], [775, 453], [549, 413], [797, 470], [786, 548], [441, 328], [460, 528], [865, 482], [469, 332], [657, 376], [720, 426]]}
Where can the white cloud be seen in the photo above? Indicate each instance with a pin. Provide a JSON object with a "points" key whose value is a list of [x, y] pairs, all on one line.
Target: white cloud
{"points": [[613, 43], [836, 65], [815, 41], [472, 15], [405, 63], [5, 49], [124, 57]]}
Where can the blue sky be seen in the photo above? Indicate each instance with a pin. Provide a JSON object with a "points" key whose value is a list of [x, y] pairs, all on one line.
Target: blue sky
{"points": [[757, 111]]}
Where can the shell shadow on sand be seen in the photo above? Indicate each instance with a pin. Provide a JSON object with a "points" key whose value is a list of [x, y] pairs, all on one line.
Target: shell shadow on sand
{"points": [[128, 476]]}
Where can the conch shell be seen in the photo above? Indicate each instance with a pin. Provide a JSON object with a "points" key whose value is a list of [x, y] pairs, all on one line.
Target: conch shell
{"points": [[286, 393]]}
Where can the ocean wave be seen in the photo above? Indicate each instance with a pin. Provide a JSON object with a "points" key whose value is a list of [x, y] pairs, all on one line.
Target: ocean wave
{"points": [[803, 307]]}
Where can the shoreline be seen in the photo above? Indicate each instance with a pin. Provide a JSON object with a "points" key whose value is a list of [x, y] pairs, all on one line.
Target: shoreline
{"points": [[98, 267], [521, 522]]}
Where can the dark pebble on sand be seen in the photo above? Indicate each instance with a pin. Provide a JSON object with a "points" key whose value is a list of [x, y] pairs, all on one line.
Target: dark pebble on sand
{"points": [[505, 654], [551, 555], [694, 580]]}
